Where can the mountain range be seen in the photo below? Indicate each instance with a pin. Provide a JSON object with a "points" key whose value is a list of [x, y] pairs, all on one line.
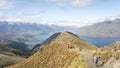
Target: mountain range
{"points": [[107, 28], [21, 32]]}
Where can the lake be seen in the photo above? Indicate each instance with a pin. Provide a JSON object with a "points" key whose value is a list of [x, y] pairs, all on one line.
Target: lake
{"points": [[100, 41], [93, 40], [40, 38]]}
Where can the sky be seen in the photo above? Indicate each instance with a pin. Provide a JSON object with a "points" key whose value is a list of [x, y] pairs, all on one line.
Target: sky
{"points": [[59, 12]]}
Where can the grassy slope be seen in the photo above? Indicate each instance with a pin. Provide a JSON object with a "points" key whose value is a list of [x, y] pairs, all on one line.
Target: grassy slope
{"points": [[72, 40], [55, 55], [9, 60], [68, 39]]}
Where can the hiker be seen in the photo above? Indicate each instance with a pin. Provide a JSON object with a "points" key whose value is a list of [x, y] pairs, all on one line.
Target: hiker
{"points": [[80, 49], [96, 59], [41, 48], [71, 47]]}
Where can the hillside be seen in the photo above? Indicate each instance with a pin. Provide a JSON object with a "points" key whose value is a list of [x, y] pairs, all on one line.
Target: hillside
{"points": [[14, 47], [109, 28], [67, 38], [4, 48], [55, 55], [7, 60], [115, 46], [49, 40], [12, 52], [112, 52]]}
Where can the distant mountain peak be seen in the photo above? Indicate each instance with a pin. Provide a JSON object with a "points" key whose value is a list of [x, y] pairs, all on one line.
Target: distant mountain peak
{"points": [[117, 21], [66, 33], [108, 22]]}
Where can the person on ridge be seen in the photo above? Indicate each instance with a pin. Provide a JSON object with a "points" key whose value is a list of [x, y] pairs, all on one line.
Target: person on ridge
{"points": [[80, 49], [96, 59]]}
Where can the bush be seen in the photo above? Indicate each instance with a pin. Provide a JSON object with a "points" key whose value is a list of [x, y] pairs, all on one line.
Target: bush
{"points": [[117, 55]]}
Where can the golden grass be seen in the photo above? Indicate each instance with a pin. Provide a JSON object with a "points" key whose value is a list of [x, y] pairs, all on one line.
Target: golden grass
{"points": [[117, 55], [55, 55], [78, 63], [105, 54], [72, 40]]}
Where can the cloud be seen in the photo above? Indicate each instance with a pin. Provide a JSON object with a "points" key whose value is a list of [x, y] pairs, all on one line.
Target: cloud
{"points": [[20, 17], [6, 4], [73, 3], [2, 16], [19, 14], [65, 23], [81, 3], [27, 18]]}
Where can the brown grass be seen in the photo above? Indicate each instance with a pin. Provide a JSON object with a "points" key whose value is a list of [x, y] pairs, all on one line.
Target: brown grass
{"points": [[117, 55], [56, 55], [72, 40]]}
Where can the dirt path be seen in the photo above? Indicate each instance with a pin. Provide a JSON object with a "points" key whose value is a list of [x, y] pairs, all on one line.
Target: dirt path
{"points": [[88, 59]]}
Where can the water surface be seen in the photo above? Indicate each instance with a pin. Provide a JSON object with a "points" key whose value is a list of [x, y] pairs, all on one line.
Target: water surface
{"points": [[93, 40]]}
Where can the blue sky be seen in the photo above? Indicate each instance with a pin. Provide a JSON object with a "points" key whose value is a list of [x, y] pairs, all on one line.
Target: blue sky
{"points": [[59, 12]]}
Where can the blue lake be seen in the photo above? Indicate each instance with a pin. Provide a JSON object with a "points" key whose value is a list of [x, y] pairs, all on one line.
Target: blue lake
{"points": [[100, 41], [93, 40], [40, 38]]}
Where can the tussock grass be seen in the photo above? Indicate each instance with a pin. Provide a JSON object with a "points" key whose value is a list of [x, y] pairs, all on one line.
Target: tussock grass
{"points": [[55, 55], [117, 55], [72, 40], [78, 63]]}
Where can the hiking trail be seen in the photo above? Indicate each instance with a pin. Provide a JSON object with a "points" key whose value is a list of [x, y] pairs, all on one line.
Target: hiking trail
{"points": [[88, 59]]}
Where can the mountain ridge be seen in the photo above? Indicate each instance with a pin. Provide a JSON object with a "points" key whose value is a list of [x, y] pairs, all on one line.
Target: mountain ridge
{"points": [[107, 28], [66, 38]]}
